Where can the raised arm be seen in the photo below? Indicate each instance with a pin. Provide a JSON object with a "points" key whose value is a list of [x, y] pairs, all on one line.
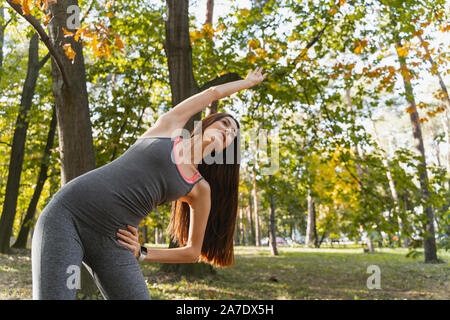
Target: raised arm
{"points": [[182, 112]]}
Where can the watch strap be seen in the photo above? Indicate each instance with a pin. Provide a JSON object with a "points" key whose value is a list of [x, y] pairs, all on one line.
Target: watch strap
{"points": [[142, 254]]}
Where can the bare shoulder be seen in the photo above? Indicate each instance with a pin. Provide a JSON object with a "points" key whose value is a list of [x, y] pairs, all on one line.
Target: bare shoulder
{"points": [[165, 126], [201, 191]]}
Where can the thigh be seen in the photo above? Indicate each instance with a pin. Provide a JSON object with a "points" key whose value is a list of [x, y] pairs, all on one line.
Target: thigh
{"points": [[56, 254], [121, 282], [114, 268]]}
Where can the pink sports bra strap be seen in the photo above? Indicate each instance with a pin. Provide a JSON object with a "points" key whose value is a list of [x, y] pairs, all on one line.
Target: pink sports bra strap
{"points": [[193, 179]]}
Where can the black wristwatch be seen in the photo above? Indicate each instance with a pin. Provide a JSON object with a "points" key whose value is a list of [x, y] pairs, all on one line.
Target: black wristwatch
{"points": [[143, 254]]}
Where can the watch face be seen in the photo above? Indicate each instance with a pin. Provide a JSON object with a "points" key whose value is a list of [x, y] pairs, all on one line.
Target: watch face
{"points": [[144, 249]]}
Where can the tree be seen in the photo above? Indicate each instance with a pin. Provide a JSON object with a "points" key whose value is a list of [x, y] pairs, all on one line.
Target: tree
{"points": [[69, 90], [311, 230], [183, 85], [429, 234], [18, 144], [272, 224], [22, 237], [256, 210]]}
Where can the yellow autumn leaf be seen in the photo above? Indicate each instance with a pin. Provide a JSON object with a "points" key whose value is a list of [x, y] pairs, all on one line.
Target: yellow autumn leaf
{"points": [[261, 52], [252, 58], [119, 42], [195, 35], [276, 56], [410, 109], [208, 28], [66, 32], [94, 43], [80, 32], [26, 7], [221, 27], [254, 43], [274, 85], [245, 12], [107, 49], [46, 19], [358, 49], [69, 51], [418, 33], [110, 14], [402, 52]]}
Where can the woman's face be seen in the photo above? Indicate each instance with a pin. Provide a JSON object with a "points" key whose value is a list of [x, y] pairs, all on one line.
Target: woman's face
{"points": [[221, 133]]}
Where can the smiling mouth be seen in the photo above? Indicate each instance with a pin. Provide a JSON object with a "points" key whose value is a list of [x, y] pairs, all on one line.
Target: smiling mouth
{"points": [[224, 137]]}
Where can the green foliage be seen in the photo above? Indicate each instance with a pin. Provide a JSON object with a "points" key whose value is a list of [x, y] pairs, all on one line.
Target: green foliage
{"points": [[329, 74]]}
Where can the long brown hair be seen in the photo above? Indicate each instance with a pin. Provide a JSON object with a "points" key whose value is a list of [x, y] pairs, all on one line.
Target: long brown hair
{"points": [[223, 178]]}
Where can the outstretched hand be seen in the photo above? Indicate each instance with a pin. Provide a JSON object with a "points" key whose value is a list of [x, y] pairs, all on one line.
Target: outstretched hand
{"points": [[255, 77]]}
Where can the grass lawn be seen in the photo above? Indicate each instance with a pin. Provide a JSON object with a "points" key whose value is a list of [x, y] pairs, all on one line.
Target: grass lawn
{"points": [[297, 273]]}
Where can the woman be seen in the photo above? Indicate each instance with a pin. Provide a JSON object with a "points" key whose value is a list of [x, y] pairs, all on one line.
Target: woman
{"points": [[93, 219]]}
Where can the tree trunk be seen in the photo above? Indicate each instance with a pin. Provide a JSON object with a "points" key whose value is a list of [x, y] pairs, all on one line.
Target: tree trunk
{"points": [[446, 124], [21, 241], [429, 234], [393, 192], [436, 71], [71, 99], [209, 12], [212, 108], [256, 214], [2, 37], [241, 231], [18, 146], [360, 173], [370, 245], [272, 222], [293, 232], [209, 21], [311, 232], [179, 55], [72, 109], [445, 119], [252, 237]]}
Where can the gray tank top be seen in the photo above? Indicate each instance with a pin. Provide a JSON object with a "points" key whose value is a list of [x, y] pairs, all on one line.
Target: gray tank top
{"points": [[125, 190]]}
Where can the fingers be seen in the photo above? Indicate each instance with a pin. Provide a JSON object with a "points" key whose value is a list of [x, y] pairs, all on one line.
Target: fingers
{"points": [[133, 230], [256, 75], [126, 236], [127, 233], [257, 70], [129, 246]]}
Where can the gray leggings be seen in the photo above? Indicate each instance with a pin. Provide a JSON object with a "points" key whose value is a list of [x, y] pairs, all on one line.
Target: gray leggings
{"points": [[62, 242]]}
